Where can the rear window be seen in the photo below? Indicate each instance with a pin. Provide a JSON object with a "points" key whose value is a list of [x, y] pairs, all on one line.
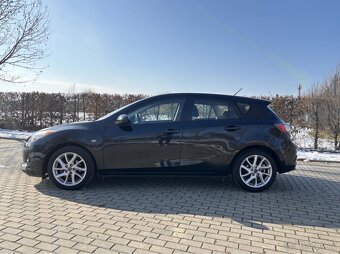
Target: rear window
{"points": [[256, 111]]}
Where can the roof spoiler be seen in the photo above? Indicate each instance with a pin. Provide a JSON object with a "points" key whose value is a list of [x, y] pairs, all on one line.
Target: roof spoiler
{"points": [[265, 102], [262, 101]]}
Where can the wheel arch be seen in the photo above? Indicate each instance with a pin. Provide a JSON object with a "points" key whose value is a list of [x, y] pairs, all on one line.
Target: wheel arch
{"points": [[263, 148], [57, 147]]}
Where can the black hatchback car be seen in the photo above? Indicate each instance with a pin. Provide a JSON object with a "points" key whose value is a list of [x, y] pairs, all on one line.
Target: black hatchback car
{"points": [[172, 134]]}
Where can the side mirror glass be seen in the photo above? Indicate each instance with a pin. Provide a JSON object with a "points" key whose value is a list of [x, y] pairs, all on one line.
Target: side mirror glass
{"points": [[122, 119]]}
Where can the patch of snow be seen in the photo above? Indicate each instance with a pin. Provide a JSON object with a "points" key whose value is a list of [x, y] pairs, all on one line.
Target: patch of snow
{"points": [[303, 139], [318, 156], [14, 134]]}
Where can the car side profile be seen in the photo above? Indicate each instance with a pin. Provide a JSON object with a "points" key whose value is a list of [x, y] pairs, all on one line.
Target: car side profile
{"points": [[171, 134]]}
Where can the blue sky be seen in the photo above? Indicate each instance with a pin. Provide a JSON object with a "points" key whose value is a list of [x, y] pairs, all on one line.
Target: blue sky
{"points": [[155, 46]]}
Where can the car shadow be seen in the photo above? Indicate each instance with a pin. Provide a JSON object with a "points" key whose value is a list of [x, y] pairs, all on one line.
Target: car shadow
{"points": [[292, 200]]}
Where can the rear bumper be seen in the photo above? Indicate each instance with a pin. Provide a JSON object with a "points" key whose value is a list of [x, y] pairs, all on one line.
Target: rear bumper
{"points": [[286, 169], [289, 156]]}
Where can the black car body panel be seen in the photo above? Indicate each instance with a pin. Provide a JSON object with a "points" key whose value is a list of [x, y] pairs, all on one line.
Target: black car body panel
{"points": [[208, 143], [142, 146], [87, 135], [184, 146]]}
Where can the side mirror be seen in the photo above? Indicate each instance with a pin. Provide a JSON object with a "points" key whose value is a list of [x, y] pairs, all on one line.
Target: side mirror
{"points": [[122, 119]]}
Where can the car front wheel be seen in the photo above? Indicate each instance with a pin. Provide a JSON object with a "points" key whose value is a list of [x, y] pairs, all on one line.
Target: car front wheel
{"points": [[71, 168], [254, 170]]}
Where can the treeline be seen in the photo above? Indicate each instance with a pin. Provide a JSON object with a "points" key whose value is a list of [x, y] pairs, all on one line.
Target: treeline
{"points": [[317, 109], [34, 111]]}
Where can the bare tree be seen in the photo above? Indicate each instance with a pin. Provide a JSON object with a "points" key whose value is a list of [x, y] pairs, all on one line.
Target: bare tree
{"points": [[24, 31], [331, 93], [314, 105]]}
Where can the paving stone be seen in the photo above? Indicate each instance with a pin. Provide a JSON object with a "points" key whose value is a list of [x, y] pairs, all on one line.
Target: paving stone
{"points": [[298, 214], [27, 249], [9, 245], [46, 246]]}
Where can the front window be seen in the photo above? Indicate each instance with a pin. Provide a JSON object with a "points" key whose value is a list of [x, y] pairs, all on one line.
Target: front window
{"points": [[157, 112]]}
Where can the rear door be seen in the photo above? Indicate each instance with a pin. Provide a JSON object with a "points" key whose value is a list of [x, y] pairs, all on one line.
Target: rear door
{"points": [[211, 134]]}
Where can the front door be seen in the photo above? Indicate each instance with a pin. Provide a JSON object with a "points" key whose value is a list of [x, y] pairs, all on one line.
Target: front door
{"points": [[151, 141]]}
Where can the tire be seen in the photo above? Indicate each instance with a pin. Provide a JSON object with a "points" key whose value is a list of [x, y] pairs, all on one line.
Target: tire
{"points": [[71, 168], [254, 178]]}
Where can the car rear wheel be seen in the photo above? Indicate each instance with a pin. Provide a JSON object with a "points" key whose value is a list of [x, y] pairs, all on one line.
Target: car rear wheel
{"points": [[71, 168], [254, 170]]}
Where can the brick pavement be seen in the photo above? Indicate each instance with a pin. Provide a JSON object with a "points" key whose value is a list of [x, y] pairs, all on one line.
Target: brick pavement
{"points": [[300, 213]]}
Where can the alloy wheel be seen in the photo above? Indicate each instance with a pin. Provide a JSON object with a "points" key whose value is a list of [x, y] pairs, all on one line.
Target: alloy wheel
{"points": [[256, 171], [69, 169]]}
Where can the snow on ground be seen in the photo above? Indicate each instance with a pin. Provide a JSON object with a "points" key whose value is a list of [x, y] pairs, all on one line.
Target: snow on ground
{"points": [[305, 143], [14, 134], [303, 139], [317, 156]]}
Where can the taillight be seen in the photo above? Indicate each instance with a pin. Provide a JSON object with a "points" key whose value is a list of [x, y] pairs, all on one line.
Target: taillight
{"points": [[284, 128]]}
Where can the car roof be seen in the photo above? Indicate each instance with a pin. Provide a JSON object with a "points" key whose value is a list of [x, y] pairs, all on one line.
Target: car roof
{"points": [[221, 96]]}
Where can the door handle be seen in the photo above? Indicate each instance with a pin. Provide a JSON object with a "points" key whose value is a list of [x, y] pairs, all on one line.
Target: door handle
{"points": [[232, 128], [170, 131]]}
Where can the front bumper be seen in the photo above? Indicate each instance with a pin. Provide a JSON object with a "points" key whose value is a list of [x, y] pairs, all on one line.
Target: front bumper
{"points": [[32, 161], [29, 171]]}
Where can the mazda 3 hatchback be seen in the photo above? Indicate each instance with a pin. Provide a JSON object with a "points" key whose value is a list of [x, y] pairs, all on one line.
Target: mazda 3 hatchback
{"points": [[172, 134]]}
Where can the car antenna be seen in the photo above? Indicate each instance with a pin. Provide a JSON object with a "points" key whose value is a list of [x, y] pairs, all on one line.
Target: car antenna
{"points": [[238, 91]]}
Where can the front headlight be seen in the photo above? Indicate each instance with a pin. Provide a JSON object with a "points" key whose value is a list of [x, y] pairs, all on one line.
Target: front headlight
{"points": [[39, 134]]}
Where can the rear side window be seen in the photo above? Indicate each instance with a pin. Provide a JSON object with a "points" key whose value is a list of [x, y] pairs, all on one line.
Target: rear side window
{"points": [[256, 111], [212, 110], [244, 107]]}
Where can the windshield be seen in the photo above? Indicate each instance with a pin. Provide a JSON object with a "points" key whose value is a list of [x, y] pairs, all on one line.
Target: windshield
{"points": [[117, 110]]}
